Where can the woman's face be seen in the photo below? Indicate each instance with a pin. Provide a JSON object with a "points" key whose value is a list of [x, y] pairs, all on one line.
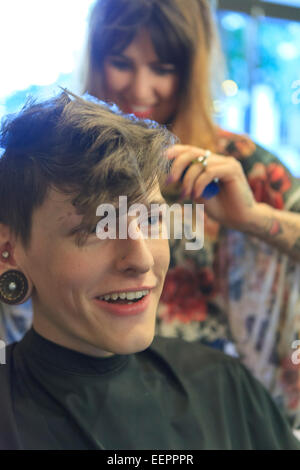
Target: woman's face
{"points": [[69, 280], [139, 83]]}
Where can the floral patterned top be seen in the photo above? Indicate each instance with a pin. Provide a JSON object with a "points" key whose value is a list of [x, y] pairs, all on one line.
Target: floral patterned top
{"points": [[237, 293]]}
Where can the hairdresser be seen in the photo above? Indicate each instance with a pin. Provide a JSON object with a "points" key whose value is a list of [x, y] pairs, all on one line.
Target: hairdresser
{"points": [[240, 292]]}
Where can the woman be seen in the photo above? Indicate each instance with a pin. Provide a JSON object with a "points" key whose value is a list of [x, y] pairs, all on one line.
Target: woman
{"points": [[240, 292]]}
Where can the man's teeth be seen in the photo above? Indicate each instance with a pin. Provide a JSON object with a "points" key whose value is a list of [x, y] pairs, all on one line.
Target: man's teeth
{"points": [[125, 295]]}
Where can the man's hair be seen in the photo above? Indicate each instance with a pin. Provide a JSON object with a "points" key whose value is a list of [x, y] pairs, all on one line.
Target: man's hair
{"points": [[82, 148]]}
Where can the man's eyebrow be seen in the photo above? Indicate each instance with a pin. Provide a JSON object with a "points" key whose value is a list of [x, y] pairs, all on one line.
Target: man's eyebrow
{"points": [[148, 205], [77, 228]]}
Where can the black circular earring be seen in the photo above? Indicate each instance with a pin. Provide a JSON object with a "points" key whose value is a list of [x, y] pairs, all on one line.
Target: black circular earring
{"points": [[13, 287]]}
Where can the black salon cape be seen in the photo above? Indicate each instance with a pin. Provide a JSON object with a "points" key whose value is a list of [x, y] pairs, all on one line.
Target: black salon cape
{"points": [[174, 395]]}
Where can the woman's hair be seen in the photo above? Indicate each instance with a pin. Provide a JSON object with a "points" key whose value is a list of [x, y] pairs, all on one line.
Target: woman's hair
{"points": [[82, 148], [183, 33]]}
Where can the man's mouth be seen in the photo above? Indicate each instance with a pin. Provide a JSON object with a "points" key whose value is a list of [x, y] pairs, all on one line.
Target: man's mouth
{"points": [[124, 304], [124, 297]]}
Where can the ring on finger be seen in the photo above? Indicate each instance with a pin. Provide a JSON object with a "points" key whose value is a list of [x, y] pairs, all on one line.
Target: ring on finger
{"points": [[203, 159]]}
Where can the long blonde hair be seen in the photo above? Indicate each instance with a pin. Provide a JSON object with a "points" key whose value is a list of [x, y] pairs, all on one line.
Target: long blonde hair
{"points": [[182, 34]]}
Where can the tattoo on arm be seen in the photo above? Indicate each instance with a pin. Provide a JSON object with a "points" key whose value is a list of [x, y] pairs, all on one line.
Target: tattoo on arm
{"points": [[275, 228], [279, 228], [280, 235], [271, 229]]}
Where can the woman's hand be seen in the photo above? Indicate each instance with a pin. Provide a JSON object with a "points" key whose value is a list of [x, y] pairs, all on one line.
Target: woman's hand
{"points": [[235, 205]]}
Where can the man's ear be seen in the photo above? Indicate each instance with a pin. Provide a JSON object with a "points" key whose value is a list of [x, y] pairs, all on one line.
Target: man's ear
{"points": [[11, 273], [7, 260]]}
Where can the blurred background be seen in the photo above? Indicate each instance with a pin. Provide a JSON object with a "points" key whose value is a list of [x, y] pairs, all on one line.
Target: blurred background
{"points": [[42, 42]]}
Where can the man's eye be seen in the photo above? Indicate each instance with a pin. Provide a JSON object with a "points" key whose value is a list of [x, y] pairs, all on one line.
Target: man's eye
{"points": [[93, 230], [154, 219]]}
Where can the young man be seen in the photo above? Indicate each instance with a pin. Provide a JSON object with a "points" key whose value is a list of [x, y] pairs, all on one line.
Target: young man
{"points": [[89, 375]]}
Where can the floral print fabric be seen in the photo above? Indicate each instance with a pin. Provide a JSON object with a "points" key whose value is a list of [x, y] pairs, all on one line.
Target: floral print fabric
{"points": [[238, 293]]}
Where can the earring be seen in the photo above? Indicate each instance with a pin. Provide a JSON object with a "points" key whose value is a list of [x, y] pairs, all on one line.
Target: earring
{"points": [[5, 254], [13, 287]]}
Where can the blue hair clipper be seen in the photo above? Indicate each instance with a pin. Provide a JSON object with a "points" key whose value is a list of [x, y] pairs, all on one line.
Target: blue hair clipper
{"points": [[211, 190]]}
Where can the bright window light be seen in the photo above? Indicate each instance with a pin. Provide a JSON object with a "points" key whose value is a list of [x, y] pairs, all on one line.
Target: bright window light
{"points": [[291, 3], [40, 40]]}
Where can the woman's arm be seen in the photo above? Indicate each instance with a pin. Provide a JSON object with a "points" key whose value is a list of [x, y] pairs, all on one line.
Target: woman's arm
{"points": [[235, 206], [280, 229]]}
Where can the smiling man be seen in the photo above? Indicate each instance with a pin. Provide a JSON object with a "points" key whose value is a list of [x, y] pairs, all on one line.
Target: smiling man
{"points": [[89, 375], [80, 315]]}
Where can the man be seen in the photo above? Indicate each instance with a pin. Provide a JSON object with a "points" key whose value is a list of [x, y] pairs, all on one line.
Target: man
{"points": [[88, 375]]}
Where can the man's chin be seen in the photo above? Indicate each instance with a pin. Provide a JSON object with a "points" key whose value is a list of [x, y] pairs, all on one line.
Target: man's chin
{"points": [[134, 345]]}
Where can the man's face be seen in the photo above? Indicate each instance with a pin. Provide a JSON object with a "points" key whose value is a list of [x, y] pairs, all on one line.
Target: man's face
{"points": [[69, 279]]}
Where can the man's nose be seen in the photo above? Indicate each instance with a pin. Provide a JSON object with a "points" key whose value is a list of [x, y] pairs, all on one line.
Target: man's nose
{"points": [[134, 255]]}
